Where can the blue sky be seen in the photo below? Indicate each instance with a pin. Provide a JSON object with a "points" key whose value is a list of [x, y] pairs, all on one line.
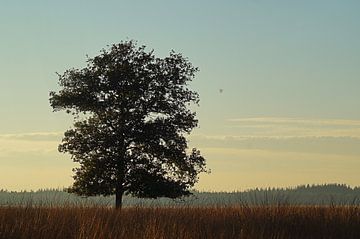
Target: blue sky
{"points": [[289, 112]]}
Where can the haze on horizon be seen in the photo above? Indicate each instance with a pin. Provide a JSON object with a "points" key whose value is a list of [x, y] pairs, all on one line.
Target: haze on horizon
{"points": [[278, 83]]}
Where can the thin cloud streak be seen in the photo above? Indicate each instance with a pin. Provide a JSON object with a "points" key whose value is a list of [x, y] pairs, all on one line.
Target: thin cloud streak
{"points": [[294, 127], [274, 137], [317, 145], [36, 136], [284, 120], [38, 142], [316, 136]]}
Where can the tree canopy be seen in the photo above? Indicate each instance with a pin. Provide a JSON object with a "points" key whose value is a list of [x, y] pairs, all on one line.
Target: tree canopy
{"points": [[131, 115]]}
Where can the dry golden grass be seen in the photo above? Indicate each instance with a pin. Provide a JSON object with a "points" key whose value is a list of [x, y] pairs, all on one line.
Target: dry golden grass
{"points": [[228, 222]]}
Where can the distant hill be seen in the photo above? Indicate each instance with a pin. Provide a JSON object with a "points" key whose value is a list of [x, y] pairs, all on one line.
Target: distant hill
{"points": [[327, 194]]}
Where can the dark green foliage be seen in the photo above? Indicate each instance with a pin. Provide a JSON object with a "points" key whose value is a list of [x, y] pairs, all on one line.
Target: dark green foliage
{"points": [[131, 116]]}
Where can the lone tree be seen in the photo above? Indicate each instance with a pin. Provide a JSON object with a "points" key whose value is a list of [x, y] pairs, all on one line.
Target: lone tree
{"points": [[131, 115]]}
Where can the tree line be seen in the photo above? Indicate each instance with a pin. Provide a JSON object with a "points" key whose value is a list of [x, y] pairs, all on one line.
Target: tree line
{"points": [[326, 194]]}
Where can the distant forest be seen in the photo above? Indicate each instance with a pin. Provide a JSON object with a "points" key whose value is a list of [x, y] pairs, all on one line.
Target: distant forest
{"points": [[327, 194]]}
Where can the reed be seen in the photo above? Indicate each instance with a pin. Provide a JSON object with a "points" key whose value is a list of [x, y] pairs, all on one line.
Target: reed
{"points": [[188, 222]]}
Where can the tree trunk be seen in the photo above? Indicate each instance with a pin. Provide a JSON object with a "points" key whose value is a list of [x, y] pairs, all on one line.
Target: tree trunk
{"points": [[118, 198], [119, 189]]}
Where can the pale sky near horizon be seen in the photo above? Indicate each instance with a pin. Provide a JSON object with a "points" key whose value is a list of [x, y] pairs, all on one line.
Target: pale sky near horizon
{"points": [[289, 112]]}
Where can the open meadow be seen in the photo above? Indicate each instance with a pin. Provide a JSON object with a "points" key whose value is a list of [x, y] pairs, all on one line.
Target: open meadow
{"points": [[246, 222], [317, 211]]}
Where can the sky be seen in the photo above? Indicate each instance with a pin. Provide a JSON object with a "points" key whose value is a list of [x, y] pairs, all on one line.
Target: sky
{"points": [[289, 112]]}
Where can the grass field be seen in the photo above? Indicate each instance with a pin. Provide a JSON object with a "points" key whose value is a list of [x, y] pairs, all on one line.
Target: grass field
{"points": [[212, 222]]}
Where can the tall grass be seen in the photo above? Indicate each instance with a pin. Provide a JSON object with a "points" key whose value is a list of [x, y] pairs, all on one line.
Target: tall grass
{"points": [[188, 222]]}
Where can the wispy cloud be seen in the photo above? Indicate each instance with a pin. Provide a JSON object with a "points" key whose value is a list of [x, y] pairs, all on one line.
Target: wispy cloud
{"points": [[318, 145], [321, 136], [30, 143], [297, 121], [294, 127], [37, 136]]}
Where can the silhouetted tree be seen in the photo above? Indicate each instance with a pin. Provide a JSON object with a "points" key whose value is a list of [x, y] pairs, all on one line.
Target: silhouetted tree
{"points": [[131, 112]]}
